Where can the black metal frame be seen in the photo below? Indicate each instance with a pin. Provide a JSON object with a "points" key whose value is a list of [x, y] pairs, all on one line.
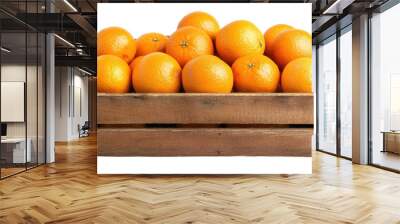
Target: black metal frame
{"points": [[369, 81], [338, 98], [26, 90], [316, 97]]}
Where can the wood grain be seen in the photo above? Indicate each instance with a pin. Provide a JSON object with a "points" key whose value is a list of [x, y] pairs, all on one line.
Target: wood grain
{"points": [[70, 191], [234, 108], [205, 142]]}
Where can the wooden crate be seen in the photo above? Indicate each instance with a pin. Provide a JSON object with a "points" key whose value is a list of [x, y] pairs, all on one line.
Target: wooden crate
{"points": [[236, 124]]}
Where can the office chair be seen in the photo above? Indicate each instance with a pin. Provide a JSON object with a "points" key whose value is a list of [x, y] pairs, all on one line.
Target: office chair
{"points": [[84, 130]]}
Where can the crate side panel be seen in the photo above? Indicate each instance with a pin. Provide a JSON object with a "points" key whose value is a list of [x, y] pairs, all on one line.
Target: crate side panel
{"points": [[204, 142], [205, 109]]}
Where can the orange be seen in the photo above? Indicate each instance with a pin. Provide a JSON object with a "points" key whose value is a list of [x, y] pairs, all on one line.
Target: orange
{"points": [[237, 39], [150, 42], [135, 62], [271, 34], [201, 20], [113, 75], [297, 76], [255, 73], [187, 43], [116, 41], [207, 74], [157, 73], [290, 45]]}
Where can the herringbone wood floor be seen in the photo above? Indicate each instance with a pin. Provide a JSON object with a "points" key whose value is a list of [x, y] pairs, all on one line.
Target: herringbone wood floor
{"points": [[70, 191]]}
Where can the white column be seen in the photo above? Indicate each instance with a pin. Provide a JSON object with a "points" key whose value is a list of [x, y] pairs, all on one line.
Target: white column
{"points": [[360, 90], [50, 99], [50, 92]]}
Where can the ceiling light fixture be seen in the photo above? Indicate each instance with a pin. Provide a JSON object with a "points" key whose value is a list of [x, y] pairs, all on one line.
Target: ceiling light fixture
{"points": [[70, 5], [80, 51], [65, 41], [84, 71], [5, 50], [337, 7]]}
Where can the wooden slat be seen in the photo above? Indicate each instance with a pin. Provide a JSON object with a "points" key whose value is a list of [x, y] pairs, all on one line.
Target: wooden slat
{"points": [[204, 142], [234, 108]]}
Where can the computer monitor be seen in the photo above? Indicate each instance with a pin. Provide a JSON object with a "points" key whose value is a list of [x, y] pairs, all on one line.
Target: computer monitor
{"points": [[3, 129]]}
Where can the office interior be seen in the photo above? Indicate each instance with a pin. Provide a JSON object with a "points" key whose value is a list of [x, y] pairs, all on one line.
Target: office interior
{"points": [[48, 82], [39, 108]]}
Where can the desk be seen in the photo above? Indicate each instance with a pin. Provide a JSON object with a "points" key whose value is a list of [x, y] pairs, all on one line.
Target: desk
{"points": [[391, 141], [13, 150]]}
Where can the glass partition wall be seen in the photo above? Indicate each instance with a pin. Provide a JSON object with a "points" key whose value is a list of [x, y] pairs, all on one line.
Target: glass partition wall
{"points": [[327, 95], [13, 91], [22, 77], [334, 83], [334, 105], [385, 90]]}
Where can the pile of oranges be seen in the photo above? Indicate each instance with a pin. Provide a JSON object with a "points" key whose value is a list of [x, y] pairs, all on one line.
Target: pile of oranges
{"points": [[201, 57]]}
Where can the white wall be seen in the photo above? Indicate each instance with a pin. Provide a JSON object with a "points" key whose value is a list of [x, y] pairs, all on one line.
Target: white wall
{"points": [[12, 73], [62, 82], [79, 117], [70, 83], [33, 127]]}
